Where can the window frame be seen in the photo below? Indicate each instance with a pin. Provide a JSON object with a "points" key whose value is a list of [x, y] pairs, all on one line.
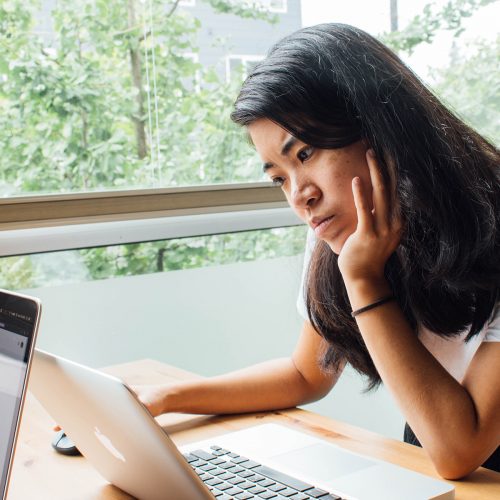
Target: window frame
{"points": [[66, 211], [195, 58], [25, 212], [38, 240]]}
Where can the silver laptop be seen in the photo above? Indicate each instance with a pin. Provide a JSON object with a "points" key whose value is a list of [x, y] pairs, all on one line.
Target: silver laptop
{"points": [[19, 317], [116, 433]]}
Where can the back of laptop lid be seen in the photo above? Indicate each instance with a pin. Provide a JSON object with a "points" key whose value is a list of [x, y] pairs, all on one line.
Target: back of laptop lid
{"points": [[19, 317], [113, 430]]}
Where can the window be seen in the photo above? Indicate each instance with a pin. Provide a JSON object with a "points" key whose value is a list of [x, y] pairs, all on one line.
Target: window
{"points": [[96, 96], [193, 79], [243, 63], [47, 269], [278, 6], [214, 292], [98, 113]]}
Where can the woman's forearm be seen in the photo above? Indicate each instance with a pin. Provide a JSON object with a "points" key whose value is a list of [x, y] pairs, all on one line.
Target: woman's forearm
{"points": [[439, 409], [270, 385]]}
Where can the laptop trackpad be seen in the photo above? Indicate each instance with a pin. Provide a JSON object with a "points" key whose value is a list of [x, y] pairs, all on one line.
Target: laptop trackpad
{"points": [[322, 462]]}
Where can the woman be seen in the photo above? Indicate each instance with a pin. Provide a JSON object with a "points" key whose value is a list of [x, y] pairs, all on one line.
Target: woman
{"points": [[403, 279]]}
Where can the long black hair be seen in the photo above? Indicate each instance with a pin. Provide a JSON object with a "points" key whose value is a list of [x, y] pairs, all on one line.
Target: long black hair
{"points": [[331, 85]]}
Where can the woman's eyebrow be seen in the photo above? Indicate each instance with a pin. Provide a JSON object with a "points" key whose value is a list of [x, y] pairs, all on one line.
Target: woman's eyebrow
{"points": [[288, 145], [285, 149], [267, 166]]}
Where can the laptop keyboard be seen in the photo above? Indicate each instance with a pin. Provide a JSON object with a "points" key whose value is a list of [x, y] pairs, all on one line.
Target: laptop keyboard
{"points": [[231, 476]]}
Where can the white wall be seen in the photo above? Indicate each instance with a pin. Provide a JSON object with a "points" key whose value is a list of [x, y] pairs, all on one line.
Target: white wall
{"points": [[207, 320]]}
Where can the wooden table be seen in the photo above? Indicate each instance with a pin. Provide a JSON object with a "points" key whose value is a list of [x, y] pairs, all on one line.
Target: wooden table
{"points": [[42, 474]]}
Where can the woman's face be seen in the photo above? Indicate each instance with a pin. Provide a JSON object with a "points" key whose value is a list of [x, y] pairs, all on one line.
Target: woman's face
{"points": [[316, 182]]}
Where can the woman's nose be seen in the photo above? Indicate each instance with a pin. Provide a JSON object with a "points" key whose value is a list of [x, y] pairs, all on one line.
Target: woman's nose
{"points": [[304, 195]]}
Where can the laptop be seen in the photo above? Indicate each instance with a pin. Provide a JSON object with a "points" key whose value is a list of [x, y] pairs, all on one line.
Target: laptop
{"points": [[120, 438], [19, 318]]}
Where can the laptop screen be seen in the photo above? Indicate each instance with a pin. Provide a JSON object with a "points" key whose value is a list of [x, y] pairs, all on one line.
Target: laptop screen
{"points": [[17, 322]]}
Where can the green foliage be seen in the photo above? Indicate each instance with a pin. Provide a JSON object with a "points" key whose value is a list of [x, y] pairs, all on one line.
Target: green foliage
{"points": [[71, 112], [471, 87], [245, 9], [423, 28], [64, 124], [188, 253], [16, 272], [74, 108], [152, 257]]}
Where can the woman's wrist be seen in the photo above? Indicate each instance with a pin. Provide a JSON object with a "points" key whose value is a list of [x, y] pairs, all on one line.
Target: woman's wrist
{"points": [[183, 396], [171, 400], [363, 292]]}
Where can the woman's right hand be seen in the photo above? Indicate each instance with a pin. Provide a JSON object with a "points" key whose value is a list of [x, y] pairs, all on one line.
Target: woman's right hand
{"points": [[153, 397]]}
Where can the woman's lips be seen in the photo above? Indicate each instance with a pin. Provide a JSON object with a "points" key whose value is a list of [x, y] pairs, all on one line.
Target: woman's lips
{"points": [[320, 228]]}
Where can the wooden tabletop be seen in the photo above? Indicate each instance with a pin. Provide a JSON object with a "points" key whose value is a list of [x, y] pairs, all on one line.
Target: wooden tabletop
{"points": [[42, 474]]}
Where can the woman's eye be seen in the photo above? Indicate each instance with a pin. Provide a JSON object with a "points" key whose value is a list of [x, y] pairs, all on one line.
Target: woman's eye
{"points": [[304, 154], [278, 181]]}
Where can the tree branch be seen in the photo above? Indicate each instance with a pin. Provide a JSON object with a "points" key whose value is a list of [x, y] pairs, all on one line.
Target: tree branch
{"points": [[174, 7]]}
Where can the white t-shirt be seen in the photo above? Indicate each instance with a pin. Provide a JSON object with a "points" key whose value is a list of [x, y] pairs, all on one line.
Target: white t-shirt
{"points": [[453, 353]]}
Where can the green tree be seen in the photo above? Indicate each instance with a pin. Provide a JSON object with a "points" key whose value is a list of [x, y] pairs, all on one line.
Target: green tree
{"points": [[469, 84], [75, 113], [471, 88], [424, 27]]}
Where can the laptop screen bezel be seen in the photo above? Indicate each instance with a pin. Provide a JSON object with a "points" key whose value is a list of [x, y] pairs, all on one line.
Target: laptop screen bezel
{"points": [[19, 315]]}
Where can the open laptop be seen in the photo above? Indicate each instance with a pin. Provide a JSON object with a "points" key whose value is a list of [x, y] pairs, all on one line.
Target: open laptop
{"points": [[116, 433], [19, 318]]}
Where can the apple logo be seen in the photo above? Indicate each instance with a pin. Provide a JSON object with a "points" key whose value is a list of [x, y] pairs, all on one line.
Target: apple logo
{"points": [[106, 442]]}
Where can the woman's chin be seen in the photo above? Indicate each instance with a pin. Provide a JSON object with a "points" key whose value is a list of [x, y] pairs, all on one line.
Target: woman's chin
{"points": [[335, 243]]}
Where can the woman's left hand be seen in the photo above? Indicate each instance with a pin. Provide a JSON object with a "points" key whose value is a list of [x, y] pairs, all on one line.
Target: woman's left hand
{"points": [[377, 235]]}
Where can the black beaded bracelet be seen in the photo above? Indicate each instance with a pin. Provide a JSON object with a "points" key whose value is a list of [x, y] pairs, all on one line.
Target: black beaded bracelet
{"points": [[377, 303]]}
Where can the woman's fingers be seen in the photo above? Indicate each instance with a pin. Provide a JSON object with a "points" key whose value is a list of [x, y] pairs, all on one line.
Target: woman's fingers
{"points": [[379, 192], [363, 210], [373, 214]]}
